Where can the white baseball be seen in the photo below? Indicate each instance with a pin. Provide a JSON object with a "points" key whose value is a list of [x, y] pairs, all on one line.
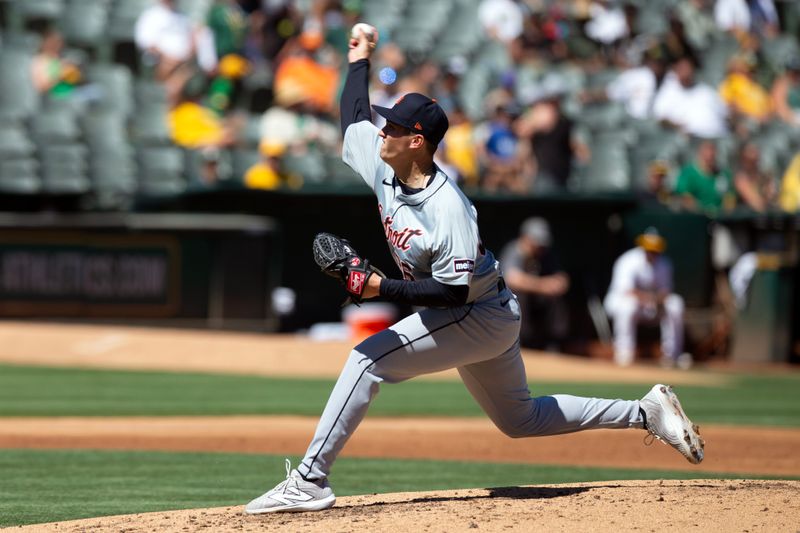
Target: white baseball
{"points": [[370, 32]]}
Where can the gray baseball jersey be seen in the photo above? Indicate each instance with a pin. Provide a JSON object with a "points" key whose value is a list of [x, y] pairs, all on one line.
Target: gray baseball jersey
{"points": [[434, 233]]}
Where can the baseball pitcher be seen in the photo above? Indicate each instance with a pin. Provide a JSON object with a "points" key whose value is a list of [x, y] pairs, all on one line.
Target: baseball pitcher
{"points": [[469, 319]]}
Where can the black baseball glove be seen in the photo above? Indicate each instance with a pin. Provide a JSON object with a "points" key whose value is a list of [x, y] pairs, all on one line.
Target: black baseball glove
{"points": [[336, 257]]}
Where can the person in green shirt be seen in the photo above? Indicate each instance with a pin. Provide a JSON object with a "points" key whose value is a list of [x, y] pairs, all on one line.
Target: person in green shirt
{"points": [[702, 185]]}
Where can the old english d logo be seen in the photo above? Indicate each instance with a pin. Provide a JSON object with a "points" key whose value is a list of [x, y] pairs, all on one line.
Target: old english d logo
{"points": [[355, 282]]}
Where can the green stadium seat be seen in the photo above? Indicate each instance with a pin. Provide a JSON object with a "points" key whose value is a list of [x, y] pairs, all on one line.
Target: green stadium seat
{"points": [[338, 173], [161, 170], [64, 169], [14, 142], [17, 96], [116, 82], [609, 169], [105, 129], [241, 161], [38, 9], [310, 166], [150, 126], [57, 124], [84, 22], [19, 176], [123, 16]]}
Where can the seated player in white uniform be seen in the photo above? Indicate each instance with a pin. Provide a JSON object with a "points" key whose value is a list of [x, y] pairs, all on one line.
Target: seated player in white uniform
{"points": [[469, 319], [641, 291]]}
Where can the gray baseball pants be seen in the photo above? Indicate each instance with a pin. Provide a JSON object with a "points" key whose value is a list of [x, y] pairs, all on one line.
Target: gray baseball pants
{"points": [[481, 340]]}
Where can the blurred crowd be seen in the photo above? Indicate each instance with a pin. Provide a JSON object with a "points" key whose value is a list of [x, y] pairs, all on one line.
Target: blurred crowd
{"points": [[691, 104]]}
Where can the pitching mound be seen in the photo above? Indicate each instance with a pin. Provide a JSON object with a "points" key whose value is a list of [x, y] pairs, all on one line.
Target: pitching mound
{"points": [[696, 505]]}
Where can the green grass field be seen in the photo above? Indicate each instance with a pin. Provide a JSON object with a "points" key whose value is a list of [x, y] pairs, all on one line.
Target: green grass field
{"points": [[37, 391], [47, 486], [41, 486]]}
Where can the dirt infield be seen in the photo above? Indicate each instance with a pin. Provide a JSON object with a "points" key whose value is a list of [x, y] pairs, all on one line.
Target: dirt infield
{"points": [[709, 505], [738, 450], [132, 348], [696, 505]]}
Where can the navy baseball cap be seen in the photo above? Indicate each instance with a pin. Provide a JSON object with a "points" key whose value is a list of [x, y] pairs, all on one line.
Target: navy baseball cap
{"points": [[419, 114]]}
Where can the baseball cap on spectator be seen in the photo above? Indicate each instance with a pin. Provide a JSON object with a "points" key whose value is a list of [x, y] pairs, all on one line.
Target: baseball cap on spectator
{"points": [[658, 166], [537, 229], [651, 241], [418, 113]]}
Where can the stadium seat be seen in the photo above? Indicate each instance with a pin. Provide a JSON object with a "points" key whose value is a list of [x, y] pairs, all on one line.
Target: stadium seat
{"points": [[241, 161], [117, 84], [56, 124], [609, 170], [150, 126], [606, 116], [105, 129], [149, 93], [84, 22], [338, 173], [161, 170], [19, 176], [123, 16], [39, 9], [17, 96], [310, 166], [64, 169], [14, 142], [462, 35]]}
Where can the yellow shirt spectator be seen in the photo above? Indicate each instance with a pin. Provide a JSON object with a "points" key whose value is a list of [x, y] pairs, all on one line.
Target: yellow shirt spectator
{"points": [[742, 93], [262, 176], [790, 187], [194, 126]]}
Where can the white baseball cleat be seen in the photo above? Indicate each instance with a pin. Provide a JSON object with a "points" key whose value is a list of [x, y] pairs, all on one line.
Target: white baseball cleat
{"points": [[294, 494], [666, 421]]}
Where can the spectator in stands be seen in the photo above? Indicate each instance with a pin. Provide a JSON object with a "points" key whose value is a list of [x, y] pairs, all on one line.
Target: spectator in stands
{"points": [[703, 185], [299, 70], [550, 141], [677, 44], [267, 173], [55, 76], [732, 16], [656, 192], [635, 87], [172, 44], [228, 23], [745, 97], [785, 93], [756, 188], [789, 198], [500, 151], [532, 270], [691, 107], [459, 148], [641, 290], [195, 126], [764, 22], [501, 19], [291, 123], [607, 23]]}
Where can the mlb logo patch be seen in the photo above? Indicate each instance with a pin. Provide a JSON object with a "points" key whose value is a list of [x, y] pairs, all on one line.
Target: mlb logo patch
{"points": [[464, 265]]}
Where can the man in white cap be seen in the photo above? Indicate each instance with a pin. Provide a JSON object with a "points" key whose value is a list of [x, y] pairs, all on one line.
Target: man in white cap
{"points": [[641, 290], [532, 270]]}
